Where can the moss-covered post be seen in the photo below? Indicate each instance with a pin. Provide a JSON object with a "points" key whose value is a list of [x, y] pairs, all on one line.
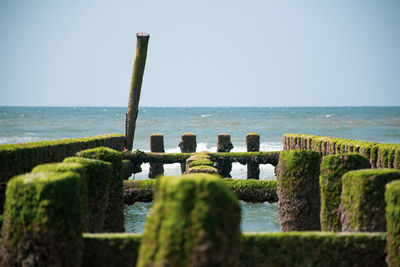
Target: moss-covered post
{"points": [[43, 220], [136, 86], [392, 198], [188, 144], [362, 202], [330, 181], [98, 178], [195, 221], [298, 190], [224, 144], [114, 221], [71, 167], [200, 163], [156, 145], [253, 145]]}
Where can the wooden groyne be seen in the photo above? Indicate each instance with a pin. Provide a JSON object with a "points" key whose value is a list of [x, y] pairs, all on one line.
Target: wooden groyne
{"points": [[67, 208], [221, 161]]}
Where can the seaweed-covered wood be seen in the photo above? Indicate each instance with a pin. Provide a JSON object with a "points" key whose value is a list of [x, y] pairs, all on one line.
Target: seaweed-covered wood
{"points": [[320, 249], [156, 145], [379, 155], [298, 190], [70, 167], [114, 220], [43, 220], [98, 177], [246, 190], [392, 199], [362, 203], [105, 250], [136, 85], [200, 163], [253, 145], [187, 144], [332, 169], [224, 144], [195, 221], [22, 158]]}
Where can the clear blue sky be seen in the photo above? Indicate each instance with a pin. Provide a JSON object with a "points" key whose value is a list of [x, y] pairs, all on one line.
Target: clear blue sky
{"points": [[201, 53]]}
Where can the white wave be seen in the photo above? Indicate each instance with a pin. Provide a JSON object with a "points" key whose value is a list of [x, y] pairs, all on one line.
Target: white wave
{"points": [[205, 115]]}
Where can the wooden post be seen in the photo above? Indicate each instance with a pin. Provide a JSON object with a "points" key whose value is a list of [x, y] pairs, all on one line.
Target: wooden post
{"points": [[136, 85], [187, 145], [156, 145], [253, 145], [224, 144]]}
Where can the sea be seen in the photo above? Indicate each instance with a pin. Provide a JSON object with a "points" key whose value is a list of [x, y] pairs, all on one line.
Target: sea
{"points": [[31, 124]]}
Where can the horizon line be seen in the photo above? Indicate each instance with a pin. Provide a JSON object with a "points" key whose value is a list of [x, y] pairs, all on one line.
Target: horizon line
{"points": [[83, 106]]}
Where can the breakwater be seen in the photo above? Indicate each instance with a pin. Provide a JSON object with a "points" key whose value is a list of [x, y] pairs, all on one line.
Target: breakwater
{"points": [[297, 170]]}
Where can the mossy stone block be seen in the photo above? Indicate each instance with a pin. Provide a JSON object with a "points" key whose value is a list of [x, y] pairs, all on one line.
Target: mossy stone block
{"points": [[98, 177], [114, 221], [195, 221], [362, 202], [332, 169], [392, 198], [43, 220], [298, 190]]}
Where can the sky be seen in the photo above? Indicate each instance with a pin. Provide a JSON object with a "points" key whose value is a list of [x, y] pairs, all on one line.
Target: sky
{"points": [[201, 53]]}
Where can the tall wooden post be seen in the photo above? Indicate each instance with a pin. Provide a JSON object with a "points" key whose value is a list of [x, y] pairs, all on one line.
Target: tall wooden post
{"points": [[156, 145], [136, 85], [187, 145], [253, 145], [224, 144]]}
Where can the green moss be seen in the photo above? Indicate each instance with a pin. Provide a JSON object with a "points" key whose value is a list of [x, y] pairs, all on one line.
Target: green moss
{"points": [[195, 218], [141, 184], [379, 155], [201, 162], [104, 250], [21, 158], [114, 221], [312, 249], [37, 226], [362, 200], [236, 184], [70, 167], [203, 169], [98, 177], [332, 169], [386, 155], [140, 157], [298, 190], [61, 167], [392, 198], [296, 163], [269, 157], [396, 163], [246, 190]]}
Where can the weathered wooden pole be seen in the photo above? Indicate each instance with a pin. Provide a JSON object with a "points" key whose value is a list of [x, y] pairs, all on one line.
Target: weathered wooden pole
{"points": [[187, 145], [224, 144], [136, 85], [156, 145], [253, 145]]}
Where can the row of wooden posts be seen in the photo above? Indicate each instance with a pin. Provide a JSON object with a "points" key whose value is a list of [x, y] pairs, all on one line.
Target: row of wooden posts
{"points": [[188, 144]]}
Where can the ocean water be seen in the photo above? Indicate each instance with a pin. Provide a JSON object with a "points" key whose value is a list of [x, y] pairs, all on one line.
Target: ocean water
{"points": [[27, 124]]}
